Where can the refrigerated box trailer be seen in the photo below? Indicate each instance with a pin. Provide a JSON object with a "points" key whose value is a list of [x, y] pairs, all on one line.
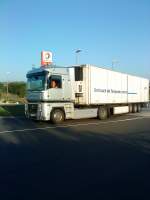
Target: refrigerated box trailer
{"points": [[83, 91], [95, 85]]}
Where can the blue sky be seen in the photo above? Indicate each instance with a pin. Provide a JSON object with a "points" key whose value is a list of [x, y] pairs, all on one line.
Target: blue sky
{"points": [[104, 29]]}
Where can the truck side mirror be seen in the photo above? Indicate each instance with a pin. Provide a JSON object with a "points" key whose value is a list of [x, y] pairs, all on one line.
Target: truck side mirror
{"points": [[48, 83]]}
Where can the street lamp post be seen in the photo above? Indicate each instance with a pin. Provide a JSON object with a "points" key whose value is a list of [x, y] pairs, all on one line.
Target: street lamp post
{"points": [[77, 57]]}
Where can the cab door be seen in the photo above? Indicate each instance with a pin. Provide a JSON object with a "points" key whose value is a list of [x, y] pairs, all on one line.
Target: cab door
{"points": [[66, 88], [55, 88]]}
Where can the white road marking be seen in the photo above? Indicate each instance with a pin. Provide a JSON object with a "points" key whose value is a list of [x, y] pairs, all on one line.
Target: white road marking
{"points": [[69, 125]]}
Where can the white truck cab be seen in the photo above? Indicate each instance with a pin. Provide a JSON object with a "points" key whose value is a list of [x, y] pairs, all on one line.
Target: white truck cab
{"points": [[49, 93]]}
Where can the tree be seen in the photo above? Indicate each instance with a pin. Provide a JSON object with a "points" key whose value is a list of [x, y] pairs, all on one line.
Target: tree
{"points": [[18, 88]]}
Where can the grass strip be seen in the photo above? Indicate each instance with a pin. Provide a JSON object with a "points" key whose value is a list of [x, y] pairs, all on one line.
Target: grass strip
{"points": [[4, 112], [12, 110]]}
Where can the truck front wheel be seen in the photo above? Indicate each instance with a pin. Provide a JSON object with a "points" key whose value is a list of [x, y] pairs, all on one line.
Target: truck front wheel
{"points": [[102, 113], [57, 116]]}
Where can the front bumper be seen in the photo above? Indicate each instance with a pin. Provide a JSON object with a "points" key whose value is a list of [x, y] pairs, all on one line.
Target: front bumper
{"points": [[35, 111]]}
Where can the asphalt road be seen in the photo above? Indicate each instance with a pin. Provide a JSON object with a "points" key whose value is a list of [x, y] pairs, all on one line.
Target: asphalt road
{"points": [[80, 159]]}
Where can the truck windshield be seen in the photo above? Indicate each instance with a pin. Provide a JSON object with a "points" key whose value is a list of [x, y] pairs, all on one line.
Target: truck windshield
{"points": [[36, 82]]}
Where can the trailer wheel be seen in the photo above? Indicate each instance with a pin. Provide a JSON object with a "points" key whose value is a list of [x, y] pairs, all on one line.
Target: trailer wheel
{"points": [[134, 109], [138, 108], [102, 113], [57, 116], [130, 108]]}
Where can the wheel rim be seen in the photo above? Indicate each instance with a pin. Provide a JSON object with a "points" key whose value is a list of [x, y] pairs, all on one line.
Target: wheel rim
{"points": [[58, 116], [102, 113]]}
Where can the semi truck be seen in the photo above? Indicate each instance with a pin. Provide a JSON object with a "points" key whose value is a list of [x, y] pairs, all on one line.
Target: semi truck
{"points": [[57, 93]]}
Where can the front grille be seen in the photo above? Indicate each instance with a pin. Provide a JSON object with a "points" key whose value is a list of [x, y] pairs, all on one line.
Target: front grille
{"points": [[32, 108]]}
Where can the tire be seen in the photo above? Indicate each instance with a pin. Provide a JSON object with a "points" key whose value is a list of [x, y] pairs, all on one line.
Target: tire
{"points": [[139, 108], [109, 112], [57, 116], [102, 113], [134, 109], [130, 108]]}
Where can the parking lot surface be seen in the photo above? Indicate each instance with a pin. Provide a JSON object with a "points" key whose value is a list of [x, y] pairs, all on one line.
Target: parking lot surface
{"points": [[79, 159]]}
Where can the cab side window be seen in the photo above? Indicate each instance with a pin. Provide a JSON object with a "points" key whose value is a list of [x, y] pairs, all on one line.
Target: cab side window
{"points": [[55, 81]]}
